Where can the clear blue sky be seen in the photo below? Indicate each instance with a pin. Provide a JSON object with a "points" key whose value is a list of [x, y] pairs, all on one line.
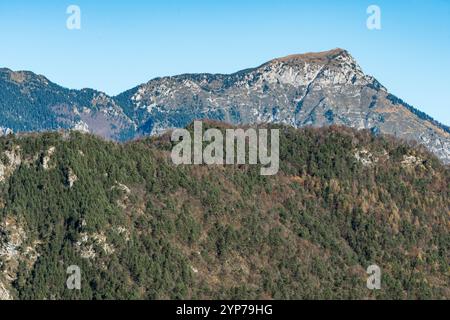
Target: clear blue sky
{"points": [[124, 43]]}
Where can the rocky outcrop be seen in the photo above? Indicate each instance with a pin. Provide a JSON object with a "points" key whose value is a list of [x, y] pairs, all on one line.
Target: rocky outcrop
{"points": [[5, 131], [412, 161], [71, 178], [89, 245], [10, 161], [365, 157], [14, 248], [46, 158], [4, 293]]}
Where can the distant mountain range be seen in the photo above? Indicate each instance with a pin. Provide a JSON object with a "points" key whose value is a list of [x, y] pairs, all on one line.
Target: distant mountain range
{"points": [[316, 89], [140, 227]]}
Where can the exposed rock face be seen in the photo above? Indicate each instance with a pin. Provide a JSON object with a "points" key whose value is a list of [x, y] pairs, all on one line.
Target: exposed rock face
{"points": [[5, 131], [89, 245], [11, 160], [122, 201], [71, 178], [4, 293], [122, 188], [365, 157], [411, 161], [123, 231], [47, 158], [311, 89], [13, 251], [316, 89]]}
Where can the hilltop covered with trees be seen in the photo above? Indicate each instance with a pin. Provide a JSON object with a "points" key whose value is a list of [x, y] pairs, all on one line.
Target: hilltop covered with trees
{"points": [[141, 228]]}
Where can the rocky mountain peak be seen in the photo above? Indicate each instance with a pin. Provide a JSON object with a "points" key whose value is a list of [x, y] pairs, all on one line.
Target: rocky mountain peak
{"points": [[333, 67]]}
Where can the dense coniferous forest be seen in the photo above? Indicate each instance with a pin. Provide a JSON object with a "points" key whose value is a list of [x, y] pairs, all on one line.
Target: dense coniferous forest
{"points": [[140, 227]]}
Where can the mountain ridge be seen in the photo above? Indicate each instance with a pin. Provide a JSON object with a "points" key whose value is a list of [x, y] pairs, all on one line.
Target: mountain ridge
{"points": [[317, 89]]}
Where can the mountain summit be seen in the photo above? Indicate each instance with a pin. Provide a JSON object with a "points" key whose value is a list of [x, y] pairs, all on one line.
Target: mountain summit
{"points": [[316, 57], [312, 89]]}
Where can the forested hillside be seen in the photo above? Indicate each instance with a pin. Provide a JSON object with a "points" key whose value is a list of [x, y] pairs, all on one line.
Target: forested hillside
{"points": [[141, 228]]}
